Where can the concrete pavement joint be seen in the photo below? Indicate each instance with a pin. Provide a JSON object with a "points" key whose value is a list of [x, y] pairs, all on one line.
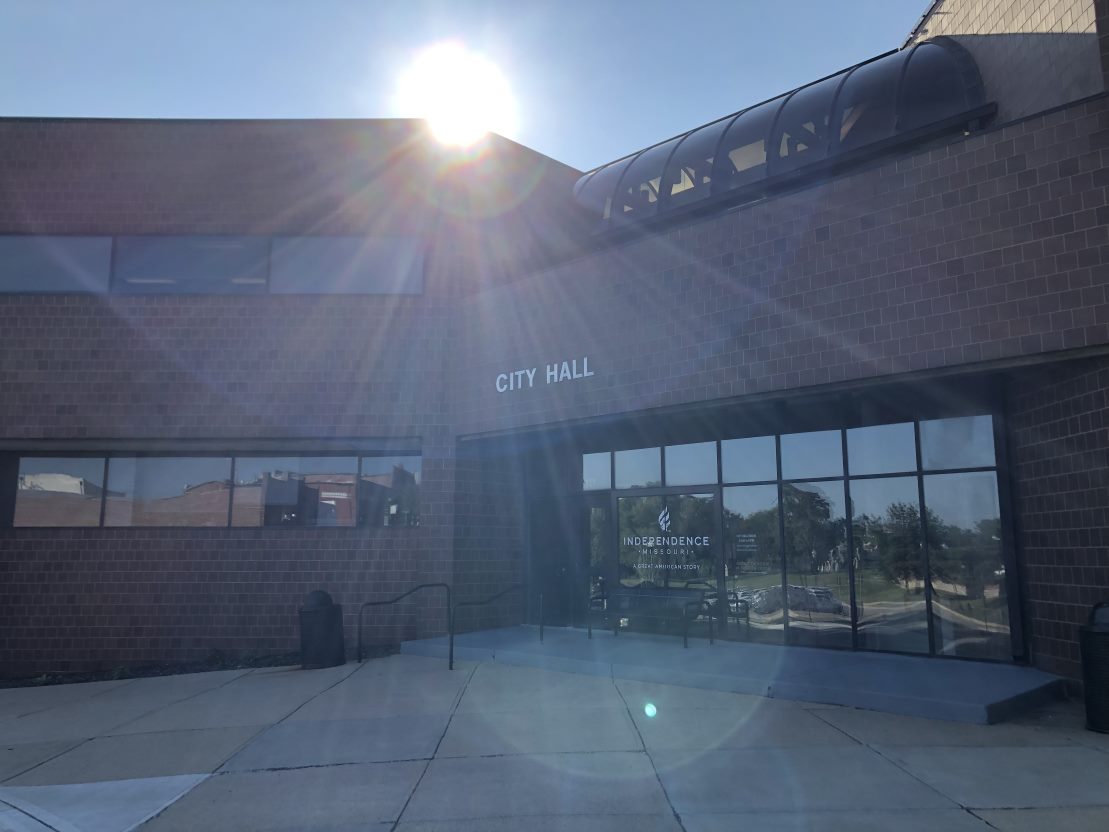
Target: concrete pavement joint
{"points": [[427, 765], [654, 768], [35, 818], [976, 816]]}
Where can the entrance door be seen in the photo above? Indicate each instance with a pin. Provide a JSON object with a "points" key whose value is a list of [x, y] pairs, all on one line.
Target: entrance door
{"points": [[598, 564], [556, 555]]}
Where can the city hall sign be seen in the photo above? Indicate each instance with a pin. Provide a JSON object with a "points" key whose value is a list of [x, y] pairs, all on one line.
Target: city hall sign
{"points": [[572, 370]]}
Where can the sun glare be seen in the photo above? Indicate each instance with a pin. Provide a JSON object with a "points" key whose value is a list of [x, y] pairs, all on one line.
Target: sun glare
{"points": [[462, 94]]}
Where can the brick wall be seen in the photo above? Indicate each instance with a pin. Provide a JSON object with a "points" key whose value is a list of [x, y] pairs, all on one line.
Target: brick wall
{"points": [[1059, 454], [1033, 55], [989, 247]]}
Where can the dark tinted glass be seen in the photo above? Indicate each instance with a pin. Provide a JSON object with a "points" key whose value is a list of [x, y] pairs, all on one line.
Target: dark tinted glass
{"points": [[801, 134], [688, 175], [818, 589], [691, 464], [59, 491], [638, 468], [753, 561], [167, 491], [294, 491], [962, 442], [189, 265], [596, 194], [347, 265], [742, 157], [639, 189], [881, 449], [866, 107], [932, 89], [970, 609], [889, 565], [389, 491], [596, 471], [751, 459], [810, 455], [54, 264]]}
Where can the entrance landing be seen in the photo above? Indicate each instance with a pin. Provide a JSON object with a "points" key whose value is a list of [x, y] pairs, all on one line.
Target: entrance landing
{"points": [[962, 691]]}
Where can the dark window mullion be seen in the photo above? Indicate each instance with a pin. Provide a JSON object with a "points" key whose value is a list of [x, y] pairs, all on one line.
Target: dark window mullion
{"points": [[924, 555]]}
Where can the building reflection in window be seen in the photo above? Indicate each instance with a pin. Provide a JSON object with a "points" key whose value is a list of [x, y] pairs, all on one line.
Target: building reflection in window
{"points": [[970, 610], [167, 491], [389, 492], [294, 491], [59, 491]]}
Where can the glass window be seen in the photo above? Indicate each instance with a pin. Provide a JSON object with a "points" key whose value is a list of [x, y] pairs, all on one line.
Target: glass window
{"points": [[970, 609], [866, 107], [818, 590], [933, 87], [810, 455], [889, 565], [753, 560], [191, 265], [389, 492], [742, 157], [801, 133], [596, 471], [881, 449], [596, 194], [688, 175], [294, 491], [59, 491], [691, 464], [639, 189], [347, 265], [639, 468], [167, 491], [751, 459], [54, 264], [668, 542], [962, 442]]}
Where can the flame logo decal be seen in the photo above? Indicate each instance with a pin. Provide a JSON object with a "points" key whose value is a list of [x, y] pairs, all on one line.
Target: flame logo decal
{"points": [[664, 520]]}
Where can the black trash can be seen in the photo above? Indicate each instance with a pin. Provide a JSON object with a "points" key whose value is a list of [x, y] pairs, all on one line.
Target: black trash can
{"points": [[1094, 641], [321, 632]]}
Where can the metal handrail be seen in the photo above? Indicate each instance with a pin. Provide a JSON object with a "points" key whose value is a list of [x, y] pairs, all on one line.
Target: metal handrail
{"points": [[488, 600], [450, 617]]}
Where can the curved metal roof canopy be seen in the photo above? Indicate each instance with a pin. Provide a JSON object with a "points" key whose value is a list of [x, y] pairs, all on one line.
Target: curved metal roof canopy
{"points": [[898, 97]]}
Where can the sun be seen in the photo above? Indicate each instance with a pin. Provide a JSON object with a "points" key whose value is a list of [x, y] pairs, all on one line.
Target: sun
{"points": [[462, 94]]}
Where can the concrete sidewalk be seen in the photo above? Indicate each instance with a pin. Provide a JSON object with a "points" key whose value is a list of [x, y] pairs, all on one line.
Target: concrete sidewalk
{"points": [[403, 743]]}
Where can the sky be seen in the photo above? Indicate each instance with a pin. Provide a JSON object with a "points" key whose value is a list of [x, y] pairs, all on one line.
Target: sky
{"points": [[593, 80]]}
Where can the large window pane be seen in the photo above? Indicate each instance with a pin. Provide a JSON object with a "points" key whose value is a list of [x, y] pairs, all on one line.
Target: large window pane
{"points": [[596, 471], [639, 189], [753, 561], [688, 175], [294, 491], [752, 459], [668, 542], [691, 464], [30, 263], [933, 87], [347, 265], [742, 157], [167, 491], [59, 491], [811, 455], [963, 442], [817, 576], [889, 565], [639, 468], [866, 107], [596, 195], [881, 449], [389, 493], [190, 265], [969, 605]]}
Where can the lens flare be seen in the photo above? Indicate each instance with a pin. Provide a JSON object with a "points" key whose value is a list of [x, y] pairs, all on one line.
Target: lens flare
{"points": [[462, 94], [650, 710]]}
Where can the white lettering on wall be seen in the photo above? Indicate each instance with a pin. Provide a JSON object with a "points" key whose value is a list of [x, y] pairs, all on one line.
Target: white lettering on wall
{"points": [[572, 370]]}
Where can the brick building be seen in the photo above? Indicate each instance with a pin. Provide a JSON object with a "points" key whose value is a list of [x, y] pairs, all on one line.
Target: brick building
{"points": [[836, 363]]}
